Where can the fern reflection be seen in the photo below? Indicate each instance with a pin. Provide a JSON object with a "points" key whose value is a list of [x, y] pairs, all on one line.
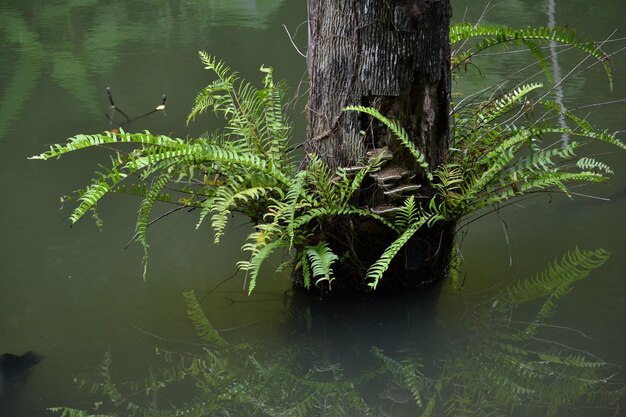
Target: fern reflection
{"points": [[502, 368]]}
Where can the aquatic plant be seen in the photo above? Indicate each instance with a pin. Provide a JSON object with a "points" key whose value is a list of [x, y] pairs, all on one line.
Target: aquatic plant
{"points": [[499, 152]]}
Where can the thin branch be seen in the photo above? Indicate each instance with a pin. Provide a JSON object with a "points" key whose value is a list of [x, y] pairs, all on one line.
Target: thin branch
{"points": [[293, 43], [167, 213]]}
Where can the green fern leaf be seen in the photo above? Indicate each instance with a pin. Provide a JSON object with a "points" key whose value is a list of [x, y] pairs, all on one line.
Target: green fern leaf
{"points": [[376, 270], [253, 266], [145, 210], [501, 35], [407, 215], [591, 164], [321, 258], [400, 134]]}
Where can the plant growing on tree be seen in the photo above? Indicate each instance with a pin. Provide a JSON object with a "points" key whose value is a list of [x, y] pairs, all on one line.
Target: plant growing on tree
{"points": [[497, 154]]}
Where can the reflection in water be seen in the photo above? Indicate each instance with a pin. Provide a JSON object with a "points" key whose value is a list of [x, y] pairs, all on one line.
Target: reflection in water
{"points": [[79, 40], [23, 77], [241, 13], [503, 365]]}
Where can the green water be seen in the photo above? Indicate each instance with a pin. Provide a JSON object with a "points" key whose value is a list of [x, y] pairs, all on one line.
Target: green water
{"points": [[71, 294]]}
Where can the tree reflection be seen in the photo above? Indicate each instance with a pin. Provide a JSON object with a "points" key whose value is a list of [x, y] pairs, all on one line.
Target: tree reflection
{"points": [[73, 41], [502, 366]]}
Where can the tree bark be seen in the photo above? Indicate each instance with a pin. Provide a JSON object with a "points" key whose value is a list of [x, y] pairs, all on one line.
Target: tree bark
{"points": [[393, 55]]}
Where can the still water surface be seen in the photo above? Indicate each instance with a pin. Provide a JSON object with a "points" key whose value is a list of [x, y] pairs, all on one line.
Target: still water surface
{"points": [[74, 294]]}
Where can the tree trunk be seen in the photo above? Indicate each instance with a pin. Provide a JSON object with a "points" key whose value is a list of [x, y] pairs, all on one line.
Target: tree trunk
{"points": [[393, 55]]}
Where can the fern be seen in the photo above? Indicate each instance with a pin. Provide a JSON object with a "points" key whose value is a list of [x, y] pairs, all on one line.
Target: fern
{"points": [[246, 168], [589, 164], [321, 258], [233, 195], [501, 369], [145, 210], [493, 35], [253, 266], [294, 194], [492, 110], [407, 215], [408, 375], [376, 271], [496, 371], [573, 267], [399, 133], [331, 211]]}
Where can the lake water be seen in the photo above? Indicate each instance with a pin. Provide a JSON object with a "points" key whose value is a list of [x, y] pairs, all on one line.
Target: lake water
{"points": [[73, 294]]}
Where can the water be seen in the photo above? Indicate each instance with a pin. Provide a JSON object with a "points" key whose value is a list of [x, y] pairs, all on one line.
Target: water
{"points": [[72, 294]]}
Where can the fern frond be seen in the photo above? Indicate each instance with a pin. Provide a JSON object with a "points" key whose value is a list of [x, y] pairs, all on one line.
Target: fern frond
{"points": [[306, 271], [536, 50], [494, 109], [591, 164], [408, 375], [147, 204], [98, 189], [321, 212], [543, 160], [320, 179], [234, 195], [275, 128], [399, 133], [253, 266], [577, 361], [79, 142], [493, 35], [545, 180], [407, 215], [73, 412], [208, 98], [145, 209], [293, 195], [321, 258], [250, 161], [376, 271], [587, 130]]}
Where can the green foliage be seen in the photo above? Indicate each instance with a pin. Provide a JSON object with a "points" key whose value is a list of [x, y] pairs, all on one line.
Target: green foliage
{"points": [[552, 284], [496, 157], [490, 36], [502, 148], [399, 133], [321, 258], [203, 328], [245, 168], [376, 271], [499, 152]]}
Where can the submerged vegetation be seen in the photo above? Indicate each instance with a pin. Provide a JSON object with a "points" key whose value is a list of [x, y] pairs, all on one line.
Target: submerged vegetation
{"points": [[502, 366], [503, 147]]}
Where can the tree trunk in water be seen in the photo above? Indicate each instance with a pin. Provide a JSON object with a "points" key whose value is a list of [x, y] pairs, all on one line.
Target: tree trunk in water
{"points": [[393, 55]]}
